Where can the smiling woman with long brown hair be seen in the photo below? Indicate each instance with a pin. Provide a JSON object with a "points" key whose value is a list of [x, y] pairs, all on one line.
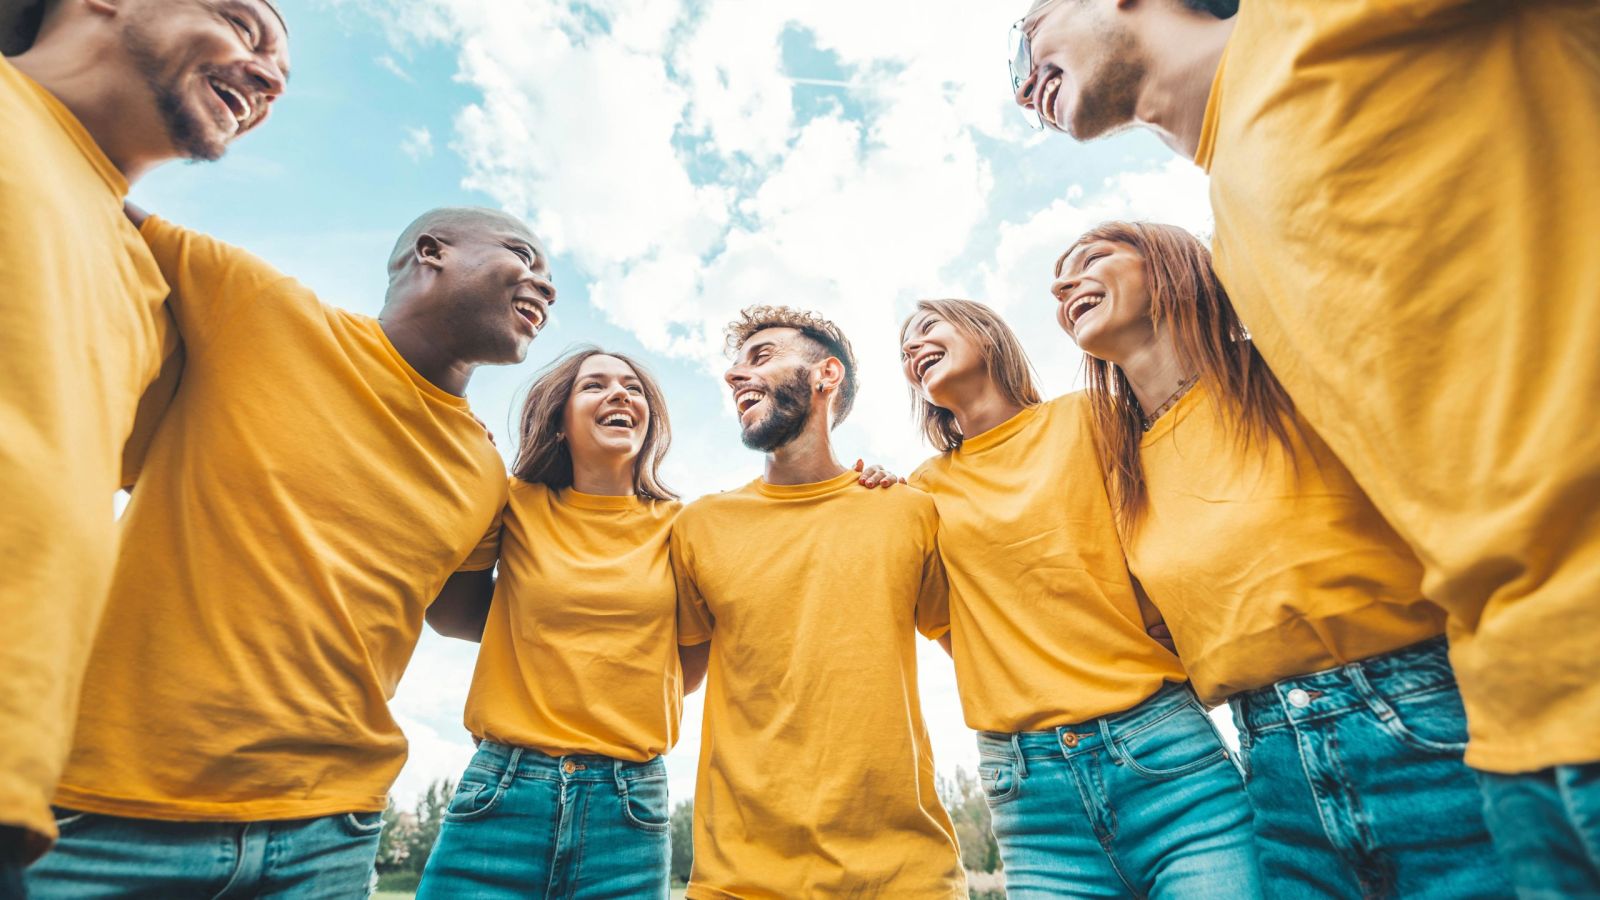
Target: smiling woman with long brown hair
{"points": [[1103, 774], [1286, 593], [579, 685]]}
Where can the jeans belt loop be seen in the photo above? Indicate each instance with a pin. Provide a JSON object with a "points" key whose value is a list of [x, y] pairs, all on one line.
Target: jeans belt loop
{"points": [[1369, 695], [1105, 737], [511, 767], [1016, 748]]}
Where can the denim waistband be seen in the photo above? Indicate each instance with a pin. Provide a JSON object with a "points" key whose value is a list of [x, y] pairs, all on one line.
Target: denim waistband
{"points": [[1419, 668], [525, 762], [1095, 734]]}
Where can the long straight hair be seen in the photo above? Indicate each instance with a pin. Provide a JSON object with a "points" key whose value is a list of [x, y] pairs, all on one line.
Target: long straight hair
{"points": [[1188, 300], [544, 458], [1003, 358]]}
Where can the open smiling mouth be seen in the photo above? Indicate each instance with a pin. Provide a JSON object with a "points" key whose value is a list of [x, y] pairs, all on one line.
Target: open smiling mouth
{"points": [[617, 420], [237, 101], [530, 311], [927, 362], [1082, 305], [747, 399], [1047, 100]]}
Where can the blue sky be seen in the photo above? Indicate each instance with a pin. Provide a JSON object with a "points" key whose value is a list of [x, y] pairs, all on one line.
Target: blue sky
{"points": [[682, 160]]}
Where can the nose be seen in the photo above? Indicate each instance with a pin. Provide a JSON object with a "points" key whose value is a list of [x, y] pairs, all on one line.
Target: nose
{"points": [[1062, 288], [909, 349], [542, 285], [267, 78], [1024, 96], [735, 377]]}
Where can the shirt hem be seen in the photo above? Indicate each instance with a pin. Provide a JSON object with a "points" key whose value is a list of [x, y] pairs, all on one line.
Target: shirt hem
{"points": [[210, 811], [1503, 759]]}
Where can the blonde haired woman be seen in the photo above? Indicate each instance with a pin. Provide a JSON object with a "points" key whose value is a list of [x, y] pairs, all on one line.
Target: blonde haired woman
{"points": [[1102, 771], [1287, 594], [580, 681]]}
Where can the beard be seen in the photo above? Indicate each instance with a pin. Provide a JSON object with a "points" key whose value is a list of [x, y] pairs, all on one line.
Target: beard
{"points": [[791, 411], [186, 130], [1110, 98]]}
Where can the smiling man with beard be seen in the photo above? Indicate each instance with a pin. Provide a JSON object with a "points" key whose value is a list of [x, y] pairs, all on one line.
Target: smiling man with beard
{"points": [[316, 478], [105, 92], [816, 776]]}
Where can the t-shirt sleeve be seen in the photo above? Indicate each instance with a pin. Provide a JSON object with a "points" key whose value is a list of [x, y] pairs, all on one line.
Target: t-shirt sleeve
{"points": [[933, 600], [209, 279], [487, 553], [695, 622]]}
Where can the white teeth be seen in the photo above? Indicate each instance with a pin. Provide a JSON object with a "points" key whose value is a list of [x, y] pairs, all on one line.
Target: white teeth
{"points": [[926, 363], [1083, 305], [244, 104], [747, 398], [618, 419]]}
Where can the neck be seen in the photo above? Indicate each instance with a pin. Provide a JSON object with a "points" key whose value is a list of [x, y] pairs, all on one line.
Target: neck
{"points": [[111, 102], [608, 477], [1187, 52], [983, 410], [1155, 373], [807, 459], [415, 340]]}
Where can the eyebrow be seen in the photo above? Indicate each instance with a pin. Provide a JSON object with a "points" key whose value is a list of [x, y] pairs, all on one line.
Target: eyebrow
{"points": [[753, 349]]}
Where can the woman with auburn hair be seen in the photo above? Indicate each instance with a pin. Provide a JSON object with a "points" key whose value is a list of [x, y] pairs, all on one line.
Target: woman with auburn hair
{"points": [[1286, 593], [580, 680], [1102, 770]]}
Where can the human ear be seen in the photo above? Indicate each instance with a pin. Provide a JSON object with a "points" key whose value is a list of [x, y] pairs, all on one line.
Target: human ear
{"points": [[429, 251]]}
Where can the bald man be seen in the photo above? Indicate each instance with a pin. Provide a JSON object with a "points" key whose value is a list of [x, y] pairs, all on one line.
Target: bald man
{"points": [[104, 92], [316, 478]]}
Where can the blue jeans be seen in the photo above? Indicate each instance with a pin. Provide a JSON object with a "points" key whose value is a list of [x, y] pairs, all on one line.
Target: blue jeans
{"points": [[1358, 784], [523, 824], [1143, 803], [1546, 826], [328, 858]]}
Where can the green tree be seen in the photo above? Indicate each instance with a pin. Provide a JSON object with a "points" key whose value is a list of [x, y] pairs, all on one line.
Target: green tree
{"points": [[682, 840], [431, 807], [969, 811]]}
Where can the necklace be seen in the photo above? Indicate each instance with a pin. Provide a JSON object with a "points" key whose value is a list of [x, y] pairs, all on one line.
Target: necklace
{"points": [[1149, 421]]}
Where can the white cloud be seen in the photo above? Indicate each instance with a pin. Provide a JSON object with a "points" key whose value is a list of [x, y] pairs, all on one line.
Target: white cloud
{"points": [[663, 148], [418, 144]]}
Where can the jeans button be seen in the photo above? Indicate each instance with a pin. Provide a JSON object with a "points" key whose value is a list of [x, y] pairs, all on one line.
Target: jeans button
{"points": [[568, 767], [1070, 739], [1299, 699]]}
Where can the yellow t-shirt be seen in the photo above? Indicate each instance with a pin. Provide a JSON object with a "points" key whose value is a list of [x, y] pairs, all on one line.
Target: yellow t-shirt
{"points": [[580, 653], [1045, 623], [302, 503], [816, 777], [1405, 197], [82, 331], [1264, 565]]}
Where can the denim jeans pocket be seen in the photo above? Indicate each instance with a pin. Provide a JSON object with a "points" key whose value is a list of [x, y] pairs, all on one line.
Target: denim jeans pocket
{"points": [[361, 824], [644, 802], [999, 781], [1182, 742], [1432, 722], [473, 799]]}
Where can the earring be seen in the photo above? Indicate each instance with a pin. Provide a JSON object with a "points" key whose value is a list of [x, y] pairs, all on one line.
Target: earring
{"points": [[560, 436]]}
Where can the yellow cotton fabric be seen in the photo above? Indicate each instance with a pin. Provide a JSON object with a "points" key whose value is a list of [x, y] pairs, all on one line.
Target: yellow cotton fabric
{"points": [[1406, 219], [1046, 625], [1267, 563], [82, 331], [303, 501], [816, 777], [580, 653]]}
